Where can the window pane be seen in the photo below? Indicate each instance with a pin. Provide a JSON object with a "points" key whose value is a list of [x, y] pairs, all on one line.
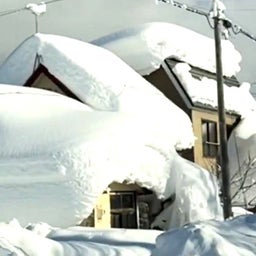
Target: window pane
{"points": [[127, 201], [115, 201], [212, 132], [209, 138]]}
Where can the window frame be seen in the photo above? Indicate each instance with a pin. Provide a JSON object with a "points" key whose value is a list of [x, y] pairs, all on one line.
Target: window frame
{"points": [[210, 141]]}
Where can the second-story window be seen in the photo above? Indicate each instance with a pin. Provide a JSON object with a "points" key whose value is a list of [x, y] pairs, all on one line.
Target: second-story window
{"points": [[209, 138]]}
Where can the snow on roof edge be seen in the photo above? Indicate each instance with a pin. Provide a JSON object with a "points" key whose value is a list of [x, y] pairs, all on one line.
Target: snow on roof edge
{"points": [[144, 47]]}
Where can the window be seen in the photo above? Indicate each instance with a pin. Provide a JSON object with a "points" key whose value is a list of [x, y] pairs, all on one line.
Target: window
{"points": [[123, 210], [210, 138], [122, 200]]}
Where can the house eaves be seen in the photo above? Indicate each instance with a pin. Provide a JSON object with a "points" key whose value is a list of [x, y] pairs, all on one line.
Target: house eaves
{"points": [[177, 84], [197, 73], [41, 69]]}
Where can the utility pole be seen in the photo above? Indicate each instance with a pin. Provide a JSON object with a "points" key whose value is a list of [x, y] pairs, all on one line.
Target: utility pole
{"points": [[36, 23], [224, 161]]}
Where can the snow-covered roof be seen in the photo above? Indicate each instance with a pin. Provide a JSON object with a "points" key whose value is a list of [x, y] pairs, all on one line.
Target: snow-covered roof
{"points": [[100, 79], [145, 46], [204, 91], [63, 154]]}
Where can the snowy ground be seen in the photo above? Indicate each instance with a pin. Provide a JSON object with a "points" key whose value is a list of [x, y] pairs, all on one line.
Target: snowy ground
{"points": [[234, 237]]}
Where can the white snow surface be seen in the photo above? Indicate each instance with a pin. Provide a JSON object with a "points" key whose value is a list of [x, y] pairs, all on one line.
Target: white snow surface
{"points": [[99, 79], [234, 237], [204, 91], [60, 153], [144, 47]]}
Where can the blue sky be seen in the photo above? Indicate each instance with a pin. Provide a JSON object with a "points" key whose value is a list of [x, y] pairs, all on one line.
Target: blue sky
{"points": [[87, 20]]}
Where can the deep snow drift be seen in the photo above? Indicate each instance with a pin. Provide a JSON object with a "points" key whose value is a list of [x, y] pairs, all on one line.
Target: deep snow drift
{"points": [[214, 238], [234, 237]]}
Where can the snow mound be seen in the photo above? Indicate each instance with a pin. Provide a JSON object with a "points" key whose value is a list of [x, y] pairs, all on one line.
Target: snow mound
{"points": [[234, 237], [145, 46], [76, 241]]}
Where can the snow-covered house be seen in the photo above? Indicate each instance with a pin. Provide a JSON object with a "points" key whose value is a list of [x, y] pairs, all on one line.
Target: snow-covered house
{"points": [[185, 72], [43, 79], [174, 78], [71, 67]]}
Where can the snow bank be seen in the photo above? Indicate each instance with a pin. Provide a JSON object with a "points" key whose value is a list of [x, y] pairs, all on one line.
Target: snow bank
{"points": [[15, 240], [192, 185], [204, 91], [75, 241], [233, 237], [216, 238], [144, 48]]}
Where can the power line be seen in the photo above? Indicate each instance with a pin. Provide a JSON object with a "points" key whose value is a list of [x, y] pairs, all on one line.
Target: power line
{"points": [[12, 11], [237, 29], [52, 1], [8, 12], [183, 6], [227, 23], [242, 10]]}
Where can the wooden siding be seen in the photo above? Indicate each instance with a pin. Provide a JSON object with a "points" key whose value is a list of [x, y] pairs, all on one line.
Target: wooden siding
{"points": [[43, 79], [197, 117], [162, 82], [44, 82]]}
